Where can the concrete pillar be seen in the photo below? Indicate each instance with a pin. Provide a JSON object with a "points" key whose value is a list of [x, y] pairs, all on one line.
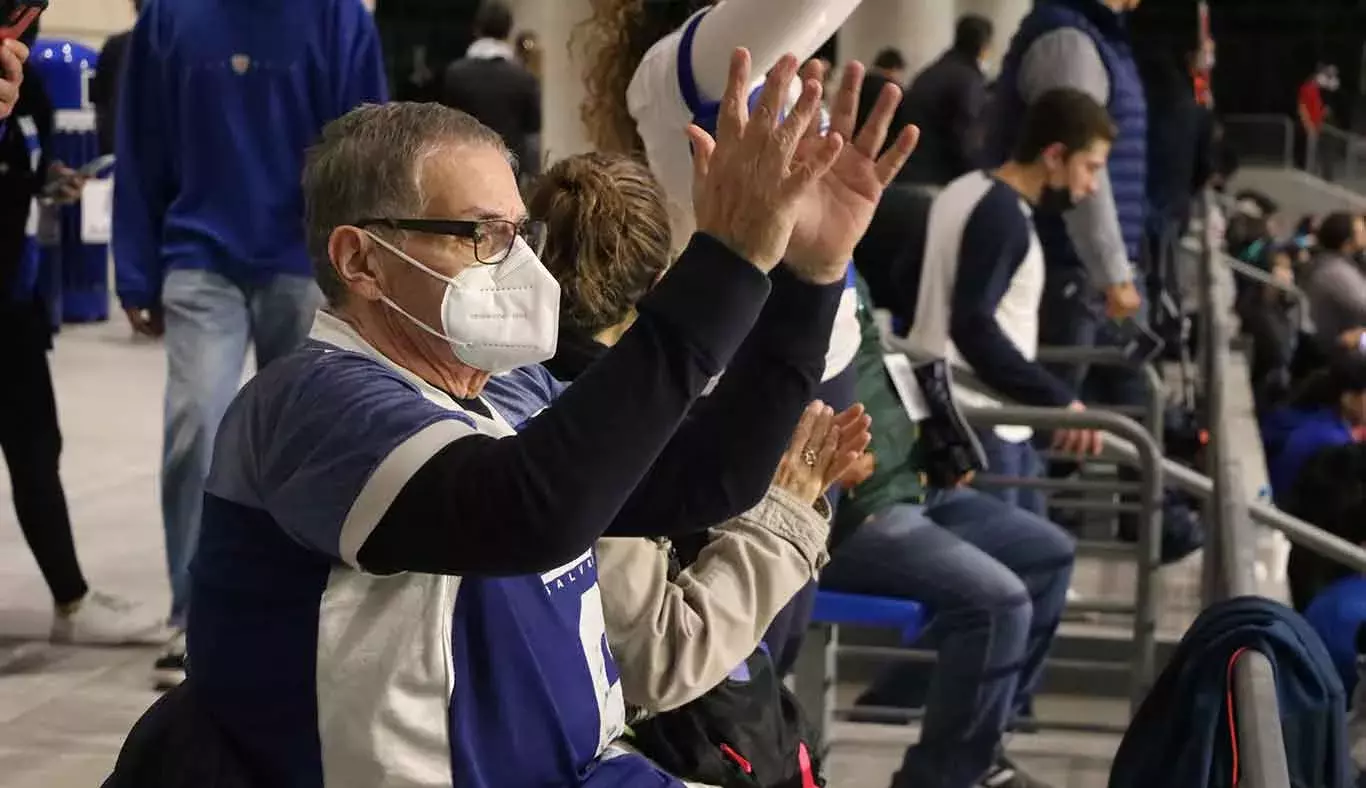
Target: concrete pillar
{"points": [[921, 29], [562, 91], [1005, 15]]}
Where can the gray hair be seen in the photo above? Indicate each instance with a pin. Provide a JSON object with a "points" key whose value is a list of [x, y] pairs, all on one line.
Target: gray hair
{"points": [[368, 164]]}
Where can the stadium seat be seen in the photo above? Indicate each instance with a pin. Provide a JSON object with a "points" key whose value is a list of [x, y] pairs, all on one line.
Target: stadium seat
{"points": [[817, 671]]}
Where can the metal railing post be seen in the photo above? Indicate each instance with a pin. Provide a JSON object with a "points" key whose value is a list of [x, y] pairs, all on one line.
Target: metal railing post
{"points": [[1229, 559]]}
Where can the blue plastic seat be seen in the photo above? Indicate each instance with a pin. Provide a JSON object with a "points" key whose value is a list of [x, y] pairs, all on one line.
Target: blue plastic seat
{"points": [[834, 607]]}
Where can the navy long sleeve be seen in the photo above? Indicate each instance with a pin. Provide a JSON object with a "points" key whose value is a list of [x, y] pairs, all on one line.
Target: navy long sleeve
{"points": [[143, 185], [541, 497], [996, 239], [721, 462]]}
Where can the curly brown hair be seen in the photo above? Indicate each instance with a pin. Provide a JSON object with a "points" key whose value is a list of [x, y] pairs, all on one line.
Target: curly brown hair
{"points": [[607, 236], [612, 42]]}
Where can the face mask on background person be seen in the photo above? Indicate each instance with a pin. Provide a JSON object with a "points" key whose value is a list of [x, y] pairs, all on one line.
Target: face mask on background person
{"points": [[1056, 199], [498, 317]]}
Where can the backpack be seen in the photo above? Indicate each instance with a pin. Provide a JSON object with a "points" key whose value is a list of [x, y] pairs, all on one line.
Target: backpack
{"points": [[746, 732]]}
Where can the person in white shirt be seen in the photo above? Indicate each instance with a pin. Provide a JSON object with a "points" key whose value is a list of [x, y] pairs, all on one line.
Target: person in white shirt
{"points": [[982, 274]]}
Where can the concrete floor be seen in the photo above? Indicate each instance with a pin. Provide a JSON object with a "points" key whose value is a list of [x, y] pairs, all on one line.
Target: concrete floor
{"points": [[64, 711]]}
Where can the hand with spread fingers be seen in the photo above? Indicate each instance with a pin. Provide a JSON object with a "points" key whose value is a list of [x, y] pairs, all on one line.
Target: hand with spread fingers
{"points": [[751, 180], [825, 446], [835, 213]]}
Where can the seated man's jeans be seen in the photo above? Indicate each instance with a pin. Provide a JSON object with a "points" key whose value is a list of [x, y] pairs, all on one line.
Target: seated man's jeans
{"points": [[1020, 460], [994, 579]]}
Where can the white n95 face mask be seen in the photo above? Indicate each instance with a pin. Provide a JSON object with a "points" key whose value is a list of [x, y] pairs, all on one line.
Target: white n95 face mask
{"points": [[495, 317]]}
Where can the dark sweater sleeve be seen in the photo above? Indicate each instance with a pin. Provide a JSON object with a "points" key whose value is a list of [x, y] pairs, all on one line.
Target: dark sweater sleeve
{"points": [[536, 500], [722, 460], [995, 242]]}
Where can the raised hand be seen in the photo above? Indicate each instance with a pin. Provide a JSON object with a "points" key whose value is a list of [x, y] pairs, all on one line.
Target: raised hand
{"points": [[749, 181], [835, 213]]}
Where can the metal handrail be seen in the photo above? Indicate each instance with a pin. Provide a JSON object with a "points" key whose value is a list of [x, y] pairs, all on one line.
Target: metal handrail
{"points": [[1252, 272], [1154, 409], [1229, 549], [1352, 145], [1139, 448], [1147, 455]]}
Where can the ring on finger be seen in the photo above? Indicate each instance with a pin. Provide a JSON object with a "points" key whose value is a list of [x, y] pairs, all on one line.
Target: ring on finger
{"points": [[809, 457]]}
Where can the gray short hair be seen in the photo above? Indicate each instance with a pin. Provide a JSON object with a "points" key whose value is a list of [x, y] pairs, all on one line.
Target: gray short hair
{"points": [[368, 165]]}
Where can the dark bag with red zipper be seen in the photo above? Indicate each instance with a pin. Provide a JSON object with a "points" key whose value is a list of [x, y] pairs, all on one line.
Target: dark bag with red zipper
{"points": [[746, 732]]}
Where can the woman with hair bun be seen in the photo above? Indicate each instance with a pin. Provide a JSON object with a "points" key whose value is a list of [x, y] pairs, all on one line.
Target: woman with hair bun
{"points": [[657, 67], [678, 631]]}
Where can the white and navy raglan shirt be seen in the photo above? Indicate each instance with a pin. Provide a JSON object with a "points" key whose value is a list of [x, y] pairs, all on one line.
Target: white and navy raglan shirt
{"points": [[331, 674], [981, 283], [664, 99]]}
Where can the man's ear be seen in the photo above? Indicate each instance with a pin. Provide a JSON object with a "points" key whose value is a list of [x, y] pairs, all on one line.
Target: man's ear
{"points": [[1054, 155], [352, 253]]}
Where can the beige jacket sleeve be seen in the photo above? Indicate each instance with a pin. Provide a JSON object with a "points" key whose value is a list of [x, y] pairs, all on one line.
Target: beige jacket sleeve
{"points": [[674, 641]]}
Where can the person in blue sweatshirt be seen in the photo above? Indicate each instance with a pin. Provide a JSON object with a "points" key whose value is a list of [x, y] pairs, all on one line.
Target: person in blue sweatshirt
{"points": [[220, 101], [1321, 414]]}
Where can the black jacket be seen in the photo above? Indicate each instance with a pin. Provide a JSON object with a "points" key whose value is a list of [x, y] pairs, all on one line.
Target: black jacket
{"points": [[945, 101], [502, 95], [19, 181]]}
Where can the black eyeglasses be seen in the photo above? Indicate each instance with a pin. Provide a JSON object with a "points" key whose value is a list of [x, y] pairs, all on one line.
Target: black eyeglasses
{"points": [[493, 238]]}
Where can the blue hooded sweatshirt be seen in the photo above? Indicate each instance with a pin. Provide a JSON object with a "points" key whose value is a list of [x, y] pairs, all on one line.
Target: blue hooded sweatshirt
{"points": [[1180, 737], [222, 99], [1291, 436], [1336, 613]]}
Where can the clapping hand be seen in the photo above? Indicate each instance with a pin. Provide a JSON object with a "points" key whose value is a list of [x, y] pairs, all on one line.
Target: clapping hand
{"points": [[749, 182], [834, 214], [824, 447]]}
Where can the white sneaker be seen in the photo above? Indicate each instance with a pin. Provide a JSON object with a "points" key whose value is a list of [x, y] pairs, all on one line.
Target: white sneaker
{"points": [[105, 620], [169, 670]]}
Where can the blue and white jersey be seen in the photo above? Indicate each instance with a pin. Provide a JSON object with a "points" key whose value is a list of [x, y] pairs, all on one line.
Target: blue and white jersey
{"points": [[327, 675], [664, 99]]}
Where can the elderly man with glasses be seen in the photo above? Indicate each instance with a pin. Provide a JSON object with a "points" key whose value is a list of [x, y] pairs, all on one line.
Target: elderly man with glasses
{"points": [[395, 583]]}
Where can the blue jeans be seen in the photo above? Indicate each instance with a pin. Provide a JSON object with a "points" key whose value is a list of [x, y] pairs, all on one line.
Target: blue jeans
{"points": [[209, 321], [994, 579], [1021, 460]]}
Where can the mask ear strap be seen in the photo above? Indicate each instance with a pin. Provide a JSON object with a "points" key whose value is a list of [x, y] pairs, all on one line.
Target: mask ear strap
{"points": [[389, 302], [407, 258]]}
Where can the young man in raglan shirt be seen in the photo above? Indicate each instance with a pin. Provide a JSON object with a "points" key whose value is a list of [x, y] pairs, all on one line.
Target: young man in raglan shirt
{"points": [[982, 277]]}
